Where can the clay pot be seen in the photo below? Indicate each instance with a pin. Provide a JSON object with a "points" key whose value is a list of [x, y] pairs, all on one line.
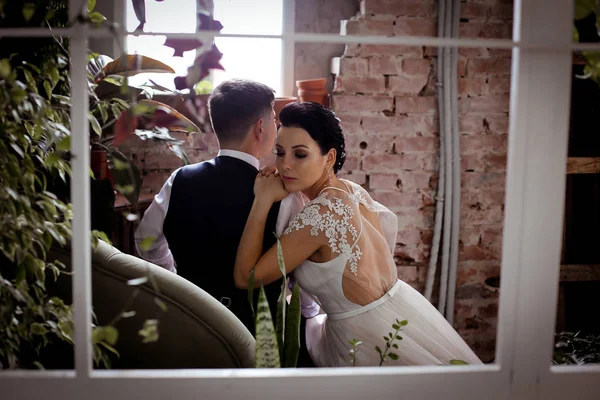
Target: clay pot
{"points": [[281, 102], [313, 90], [99, 164], [312, 84]]}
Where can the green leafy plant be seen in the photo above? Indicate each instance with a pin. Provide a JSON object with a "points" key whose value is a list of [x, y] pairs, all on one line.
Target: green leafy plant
{"points": [[576, 348], [583, 11], [352, 353], [277, 344], [390, 339]]}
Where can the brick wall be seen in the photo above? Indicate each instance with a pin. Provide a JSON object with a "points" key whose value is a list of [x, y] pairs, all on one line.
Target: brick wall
{"points": [[386, 98]]}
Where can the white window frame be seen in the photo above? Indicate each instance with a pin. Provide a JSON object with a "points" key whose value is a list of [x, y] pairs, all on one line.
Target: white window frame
{"points": [[539, 122]]}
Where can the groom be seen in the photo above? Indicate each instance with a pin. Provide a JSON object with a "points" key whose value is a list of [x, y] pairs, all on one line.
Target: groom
{"points": [[199, 215]]}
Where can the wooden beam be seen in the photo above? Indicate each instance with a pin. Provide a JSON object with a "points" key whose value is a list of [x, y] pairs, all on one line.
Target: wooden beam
{"points": [[579, 272], [583, 165]]}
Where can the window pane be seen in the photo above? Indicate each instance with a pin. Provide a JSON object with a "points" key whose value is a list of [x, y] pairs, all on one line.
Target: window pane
{"points": [[250, 17], [162, 17], [256, 59]]}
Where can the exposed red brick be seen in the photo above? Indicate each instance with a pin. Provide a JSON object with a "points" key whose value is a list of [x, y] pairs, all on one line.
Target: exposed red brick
{"points": [[489, 30], [498, 84], [410, 84], [470, 124], [415, 27], [484, 104], [387, 65], [353, 66], [378, 143], [355, 84], [411, 219], [414, 179], [473, 86], [378, 50], [351, 122], [417, 144], [358, 177], [391, 162], [416, 66], [479, 144], [497, 123], [415, 104], [407, 273], [367, 27], [383, 181], [416, 123], [352, 162], [494, 65], [405, 8], [358, 104]]}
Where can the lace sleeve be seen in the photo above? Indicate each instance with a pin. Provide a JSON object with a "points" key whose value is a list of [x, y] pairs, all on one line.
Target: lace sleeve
{"points": [[388, 219], [334, 221]]}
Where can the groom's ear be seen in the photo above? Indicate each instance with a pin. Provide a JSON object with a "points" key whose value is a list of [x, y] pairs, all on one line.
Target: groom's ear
{"points": [[257, 129]]}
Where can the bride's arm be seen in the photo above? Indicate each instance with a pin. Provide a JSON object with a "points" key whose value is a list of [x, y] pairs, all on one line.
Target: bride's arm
{"points": [[295, 247]]}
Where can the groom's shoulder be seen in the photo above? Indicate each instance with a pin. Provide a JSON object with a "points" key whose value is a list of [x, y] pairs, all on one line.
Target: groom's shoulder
{"points": [[203, 168]]}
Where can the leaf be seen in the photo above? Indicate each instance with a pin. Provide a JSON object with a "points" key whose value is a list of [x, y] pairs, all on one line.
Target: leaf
{"points": [[96, 17], [393, 356], [28, 11], [182, 45], [251, 292], [5, 68], [583, 8], [378, 349], [280, 321], [292, 330], [124, 127], [458, 362], [266, 349], [111, 335], [149, 331], [404, 322], [147, 242], [139, 7], [165, 116], [161, 304], [132, 64], [95, 124], [128, 182], [91, 5], [137, 281], [281, 302], [38, 329]]}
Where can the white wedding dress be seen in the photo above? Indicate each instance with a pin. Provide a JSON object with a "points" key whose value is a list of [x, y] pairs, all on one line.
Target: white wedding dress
{"points": [[359, 291]]}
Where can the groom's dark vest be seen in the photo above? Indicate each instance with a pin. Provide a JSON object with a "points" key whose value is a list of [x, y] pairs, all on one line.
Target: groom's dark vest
{"points": [[208, 209]]}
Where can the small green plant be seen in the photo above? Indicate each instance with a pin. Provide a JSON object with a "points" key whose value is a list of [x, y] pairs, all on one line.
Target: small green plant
{"points": [[352, 353], [277, 344], [387, 353]]}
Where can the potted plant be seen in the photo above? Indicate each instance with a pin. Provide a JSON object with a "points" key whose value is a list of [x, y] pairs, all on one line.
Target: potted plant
{"points": [[34, 149]]}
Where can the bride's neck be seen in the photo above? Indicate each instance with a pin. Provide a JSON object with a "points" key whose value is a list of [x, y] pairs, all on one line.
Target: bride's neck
{"points": [[323, 182]]}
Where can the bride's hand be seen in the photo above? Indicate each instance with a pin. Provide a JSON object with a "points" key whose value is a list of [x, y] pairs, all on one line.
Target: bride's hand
{"points": [[269, 186]]}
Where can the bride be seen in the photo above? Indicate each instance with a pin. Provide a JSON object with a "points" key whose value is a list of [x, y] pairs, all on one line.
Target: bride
{"points": [[340, 247]]}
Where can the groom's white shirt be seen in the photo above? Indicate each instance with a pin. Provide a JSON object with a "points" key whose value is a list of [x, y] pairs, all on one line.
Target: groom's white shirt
{"points": [[159, 253]]}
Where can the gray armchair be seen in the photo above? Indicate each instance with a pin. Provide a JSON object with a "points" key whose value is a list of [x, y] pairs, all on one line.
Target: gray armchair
{"points": [[196, 331]]}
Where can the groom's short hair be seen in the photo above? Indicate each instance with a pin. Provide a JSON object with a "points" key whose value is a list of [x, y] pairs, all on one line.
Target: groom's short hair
{"points": [[235, 105]]}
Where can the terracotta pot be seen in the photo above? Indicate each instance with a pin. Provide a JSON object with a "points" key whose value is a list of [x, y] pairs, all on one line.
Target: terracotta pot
{"points": [[312, 84], [317, 96], [281, 102], [99, 164]]}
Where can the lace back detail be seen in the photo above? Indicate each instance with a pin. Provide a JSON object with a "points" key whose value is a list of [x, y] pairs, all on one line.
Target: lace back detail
{"points": [[333, 218]]}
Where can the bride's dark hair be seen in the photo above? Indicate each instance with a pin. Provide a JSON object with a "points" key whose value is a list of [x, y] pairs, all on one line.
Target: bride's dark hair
{"points": [[321, 124]]}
